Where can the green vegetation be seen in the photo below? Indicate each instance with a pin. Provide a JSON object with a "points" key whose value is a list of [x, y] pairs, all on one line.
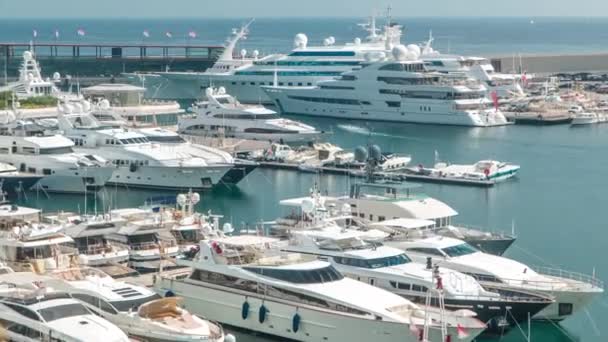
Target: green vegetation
{"points": [[6, 101]]}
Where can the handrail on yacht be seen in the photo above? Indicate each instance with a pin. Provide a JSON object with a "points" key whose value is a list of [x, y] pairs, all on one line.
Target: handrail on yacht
{"points": [[577, 276]]}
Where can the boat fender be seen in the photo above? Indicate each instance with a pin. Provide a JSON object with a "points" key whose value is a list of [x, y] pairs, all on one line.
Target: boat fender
{"points": [[229, 338], [245, 310], [216, 247], [295, 322], [169, 294], [448, 338], [486, 172], [263, 313]]}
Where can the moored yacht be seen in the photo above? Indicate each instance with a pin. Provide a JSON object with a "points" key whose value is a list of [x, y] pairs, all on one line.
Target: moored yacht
{"points": [[221, 115], [379, 202], [35, 314], [245, 282], [572, 291], [31, 148], [137, 161], [89, 233], [149, 241], [484, 170], [391, 269], [398, 89]]}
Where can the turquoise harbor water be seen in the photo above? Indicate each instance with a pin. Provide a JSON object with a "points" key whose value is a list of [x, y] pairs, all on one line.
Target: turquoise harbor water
{"points": [[556, 205]]}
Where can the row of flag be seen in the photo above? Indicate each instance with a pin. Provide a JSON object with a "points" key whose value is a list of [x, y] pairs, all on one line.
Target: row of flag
{"points": [[81, 32]]}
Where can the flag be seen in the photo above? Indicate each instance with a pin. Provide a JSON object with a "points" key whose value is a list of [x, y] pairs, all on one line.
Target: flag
{"points": [[34, 33], [494, 99], [56, 34], [146, 33], [169, 34], [524, 79], [80, 32], [462, 333], [192, 34]]}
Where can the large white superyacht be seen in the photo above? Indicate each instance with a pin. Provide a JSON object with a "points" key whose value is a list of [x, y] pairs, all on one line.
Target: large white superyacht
{"points": [[399, 89], [137, 161], [221, 115], [245, 282]]}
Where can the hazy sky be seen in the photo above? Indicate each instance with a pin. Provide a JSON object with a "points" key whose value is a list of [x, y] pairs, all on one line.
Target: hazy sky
{"points": [[281, 8]]}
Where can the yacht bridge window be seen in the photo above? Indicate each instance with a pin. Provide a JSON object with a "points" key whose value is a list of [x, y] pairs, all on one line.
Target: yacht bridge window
{"points": [[374, 263], [459, 250], [320, 275], [410, 67]]}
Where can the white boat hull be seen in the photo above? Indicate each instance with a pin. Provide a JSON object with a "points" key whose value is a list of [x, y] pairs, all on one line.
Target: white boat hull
{"points": [[316, 325], [151, 258], [117, 257], [408, 112], [169, 178]]}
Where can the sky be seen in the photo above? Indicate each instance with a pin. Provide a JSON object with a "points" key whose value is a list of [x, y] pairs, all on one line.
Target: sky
{"points": [[297, 8]]}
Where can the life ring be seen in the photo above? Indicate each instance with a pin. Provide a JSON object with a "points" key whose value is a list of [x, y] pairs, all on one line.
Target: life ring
{"points": [[245, 310], [262, 314], [295, 322], [216, 247]]}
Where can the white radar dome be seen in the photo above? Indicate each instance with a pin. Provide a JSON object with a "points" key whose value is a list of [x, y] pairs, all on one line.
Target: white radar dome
{"points": [[256, 53], [400, 52], [300, 41], [357, 41], [104, 104], [243, 53], [414, 48], [27, 55], [221, 91], [209, 91], [56, 76]]}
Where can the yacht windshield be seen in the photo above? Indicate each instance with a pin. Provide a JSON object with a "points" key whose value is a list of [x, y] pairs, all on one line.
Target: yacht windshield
{"points": [[167, 138], [374, 263], [56, 150], [300, 276], [459, 250], [63, 311]]}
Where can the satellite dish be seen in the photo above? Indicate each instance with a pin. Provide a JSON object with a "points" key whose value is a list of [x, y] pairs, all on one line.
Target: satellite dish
{"points": [[307, 205], [361, 154], [181, 199], [195, 198], [375, 152], [104, 104], [256, 53], [332, 40], [243, 53], [27, 55], [227, 228], [56, 76], [326, 42], [209, 91], [414, 48], [300, 41]]}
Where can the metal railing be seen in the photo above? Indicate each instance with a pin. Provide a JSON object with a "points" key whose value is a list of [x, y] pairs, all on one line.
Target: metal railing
{"points": [[576, 276]]}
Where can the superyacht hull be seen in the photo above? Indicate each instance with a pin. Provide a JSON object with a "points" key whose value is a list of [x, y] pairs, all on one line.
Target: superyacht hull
{"points": [[170, 178], [225, 305]]}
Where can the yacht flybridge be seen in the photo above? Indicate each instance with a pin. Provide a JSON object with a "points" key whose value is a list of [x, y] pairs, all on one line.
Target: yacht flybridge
{"points": [[221, 115], [572, 291], [137, 161], [398, 89], [31, 148], [30, 82], [391, 269], [246, 282]]}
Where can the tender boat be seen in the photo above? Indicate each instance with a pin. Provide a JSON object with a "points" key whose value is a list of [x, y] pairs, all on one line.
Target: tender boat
{"points": [[221, 115], [245, 282], [586, 118], [483, 170], [572, 291]]}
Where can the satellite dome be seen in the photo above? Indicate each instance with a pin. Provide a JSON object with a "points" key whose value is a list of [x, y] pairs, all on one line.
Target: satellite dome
{"points": [[357, 41], [361, 154], [256, 53], [30, 76], [227, 228], [332, 40], [209, 91], [243, 53], [326, 42], [181, 199], [195, 198], [375, 152], [221, 90], [400, 52], [56, 76], [27, 55], [300, 41], [414, 49], [104, 104], [307, 205]]}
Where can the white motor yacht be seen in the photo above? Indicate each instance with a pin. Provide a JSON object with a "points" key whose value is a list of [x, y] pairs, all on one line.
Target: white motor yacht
{"points": [[391, 269], [245, 282], [485, 170], [572, 291], [127, 101], [89, 233], [137, 161], [150, 243], [398, 89], [378, 202], [32, 312], [221, 115], [31, 148]]}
